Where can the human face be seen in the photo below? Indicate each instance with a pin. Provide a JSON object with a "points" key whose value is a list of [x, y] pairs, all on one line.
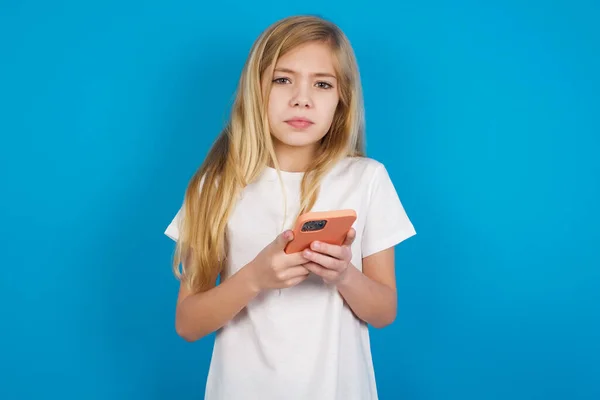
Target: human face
{"points": [[304, 96]]}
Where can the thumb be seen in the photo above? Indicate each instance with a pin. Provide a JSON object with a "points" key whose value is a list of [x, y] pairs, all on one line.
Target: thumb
{"points": [[283, 239], [350, 236]]}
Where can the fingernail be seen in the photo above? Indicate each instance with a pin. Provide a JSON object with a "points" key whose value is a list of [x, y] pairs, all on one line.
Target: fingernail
{"points": [[316, 245], [307, 253]]}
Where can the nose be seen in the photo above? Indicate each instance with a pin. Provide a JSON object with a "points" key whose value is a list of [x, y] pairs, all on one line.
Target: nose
{"points": [[301, 98]]}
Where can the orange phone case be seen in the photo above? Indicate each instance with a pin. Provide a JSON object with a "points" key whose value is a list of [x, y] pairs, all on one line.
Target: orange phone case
{"points": [[336, 226]]}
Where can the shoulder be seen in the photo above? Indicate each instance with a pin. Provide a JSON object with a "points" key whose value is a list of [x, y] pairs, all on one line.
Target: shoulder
{"points": [[367, 164], [358, 169]]}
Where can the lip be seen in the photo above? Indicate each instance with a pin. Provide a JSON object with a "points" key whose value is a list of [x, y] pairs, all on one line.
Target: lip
{"points": [[299, 122]]}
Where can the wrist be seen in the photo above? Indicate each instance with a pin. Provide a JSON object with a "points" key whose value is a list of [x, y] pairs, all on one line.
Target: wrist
{"points": [[248, 276], [347, 277]]}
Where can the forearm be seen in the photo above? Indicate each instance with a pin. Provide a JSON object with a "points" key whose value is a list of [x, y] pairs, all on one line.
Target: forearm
{"points": [[371, 301], [203, 313]]}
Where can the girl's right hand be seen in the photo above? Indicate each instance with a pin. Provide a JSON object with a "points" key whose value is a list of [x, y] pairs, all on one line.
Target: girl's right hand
{"points": [[272, 268]]}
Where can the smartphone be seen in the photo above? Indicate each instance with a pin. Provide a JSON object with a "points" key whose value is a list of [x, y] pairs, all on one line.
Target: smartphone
{"points": [[323, 226]]}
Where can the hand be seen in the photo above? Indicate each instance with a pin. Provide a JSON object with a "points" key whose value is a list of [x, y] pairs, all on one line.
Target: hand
{"points": [[272, 268], [330, 262]]}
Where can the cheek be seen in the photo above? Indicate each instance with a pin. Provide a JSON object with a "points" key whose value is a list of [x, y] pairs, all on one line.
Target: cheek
{"points": [[329, 108], [276, 105], [272, 109]]}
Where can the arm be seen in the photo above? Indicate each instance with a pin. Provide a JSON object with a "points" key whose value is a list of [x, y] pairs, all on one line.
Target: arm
{"points": [[200, 314], [371, 295]]}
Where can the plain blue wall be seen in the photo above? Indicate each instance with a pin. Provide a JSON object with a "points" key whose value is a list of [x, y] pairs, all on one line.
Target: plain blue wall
{"points": [[486, 116]]}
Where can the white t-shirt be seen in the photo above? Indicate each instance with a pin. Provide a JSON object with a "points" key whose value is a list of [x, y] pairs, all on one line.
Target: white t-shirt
{"points": [[304, 342]]}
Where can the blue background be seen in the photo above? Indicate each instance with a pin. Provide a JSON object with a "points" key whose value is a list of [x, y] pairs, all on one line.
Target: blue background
{"points": [[486, 114]]}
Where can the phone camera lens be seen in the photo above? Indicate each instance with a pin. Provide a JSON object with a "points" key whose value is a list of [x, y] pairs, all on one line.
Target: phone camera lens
{"points": [[313, 225]]}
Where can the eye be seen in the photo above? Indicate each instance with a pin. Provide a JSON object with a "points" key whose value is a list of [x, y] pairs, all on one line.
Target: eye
{"points": [[281, 81], [324, 85]]}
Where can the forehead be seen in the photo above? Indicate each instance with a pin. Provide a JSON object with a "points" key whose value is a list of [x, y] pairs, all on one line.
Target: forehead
{"points": [[314, 57]]}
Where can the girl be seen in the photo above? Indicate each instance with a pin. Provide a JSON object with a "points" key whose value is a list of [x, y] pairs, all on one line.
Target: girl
{"points": [[289, 326]]}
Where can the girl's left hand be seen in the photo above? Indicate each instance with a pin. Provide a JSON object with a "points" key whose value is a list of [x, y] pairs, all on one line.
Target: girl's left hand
{"points": [[330, 262]]}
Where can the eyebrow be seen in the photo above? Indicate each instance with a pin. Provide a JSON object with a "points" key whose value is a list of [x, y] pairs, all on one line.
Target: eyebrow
{"points": [[317, 74]]}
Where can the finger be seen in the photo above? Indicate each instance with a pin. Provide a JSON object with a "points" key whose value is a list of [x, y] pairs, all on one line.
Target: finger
{"points": [[295, 281], [324, 260], [290, 260], [323, 272], [294, 272], [283, 239], [329, 249], [350, 236]]}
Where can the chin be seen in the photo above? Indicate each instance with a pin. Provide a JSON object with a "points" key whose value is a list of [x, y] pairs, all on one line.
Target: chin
{"points": [[298, 143], [299, 139]]}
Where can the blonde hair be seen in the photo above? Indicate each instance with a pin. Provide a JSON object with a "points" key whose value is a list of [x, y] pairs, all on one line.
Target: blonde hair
{"points": [[244, 147]]}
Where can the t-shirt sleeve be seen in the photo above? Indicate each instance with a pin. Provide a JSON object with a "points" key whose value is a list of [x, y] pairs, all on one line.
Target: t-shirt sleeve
{"points": [[172, 230], [386, 223], [174, 227]]}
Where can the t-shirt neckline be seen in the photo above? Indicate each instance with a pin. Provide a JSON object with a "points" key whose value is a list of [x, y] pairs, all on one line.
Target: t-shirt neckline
{"points": [[270, 173]]}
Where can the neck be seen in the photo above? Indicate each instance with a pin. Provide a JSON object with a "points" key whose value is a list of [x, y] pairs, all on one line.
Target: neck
{"points": [[294, 159]]}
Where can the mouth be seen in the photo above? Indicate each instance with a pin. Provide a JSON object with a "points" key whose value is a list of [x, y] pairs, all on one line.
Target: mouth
{"points": [[299, 123]]}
